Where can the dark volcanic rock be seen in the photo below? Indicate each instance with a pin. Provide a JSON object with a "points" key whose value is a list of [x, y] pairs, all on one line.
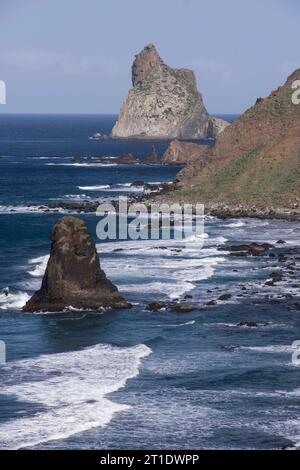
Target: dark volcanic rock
{"points": [[183, 308], [248, 324], [225, 297], [276, 276], [156, 306], [73, 277]]}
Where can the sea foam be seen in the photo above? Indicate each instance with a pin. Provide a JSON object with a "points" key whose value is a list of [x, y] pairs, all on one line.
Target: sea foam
{"points": [[69, 390]]}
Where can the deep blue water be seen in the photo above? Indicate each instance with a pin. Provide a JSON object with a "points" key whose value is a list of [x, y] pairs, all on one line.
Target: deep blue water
{"points": [[135, 379]]}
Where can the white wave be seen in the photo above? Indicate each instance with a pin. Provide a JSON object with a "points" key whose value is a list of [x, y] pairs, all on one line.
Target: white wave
{"points": [[83, 165], [94, 188], [71, 389], [49, 158], [220, 325], [75, 196], [270, 349], [13, 301], [237, 224], [172, 290], [29, 209], [182, 324], [259, 325], [217, 240], [40, 266]]}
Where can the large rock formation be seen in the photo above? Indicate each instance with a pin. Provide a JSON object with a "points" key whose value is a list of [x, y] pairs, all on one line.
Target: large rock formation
{"points": [[215, 127], [163, 103], [73, 277], [256, 160], [180, 153]]}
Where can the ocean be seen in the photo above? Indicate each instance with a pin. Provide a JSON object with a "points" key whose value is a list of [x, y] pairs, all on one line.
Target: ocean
{"points": [[135, 379]]}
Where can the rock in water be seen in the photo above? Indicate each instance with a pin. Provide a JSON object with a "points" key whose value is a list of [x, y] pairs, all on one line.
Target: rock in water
{"points": [[73, 277], [152, 158], [216, 127], [164, 102]]}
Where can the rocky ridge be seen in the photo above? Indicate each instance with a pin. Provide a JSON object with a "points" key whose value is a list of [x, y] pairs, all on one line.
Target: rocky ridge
{"points": [[163, 103]]}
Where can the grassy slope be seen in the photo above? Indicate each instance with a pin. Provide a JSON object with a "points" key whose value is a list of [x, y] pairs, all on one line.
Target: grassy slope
{"points": [[256, 160]]}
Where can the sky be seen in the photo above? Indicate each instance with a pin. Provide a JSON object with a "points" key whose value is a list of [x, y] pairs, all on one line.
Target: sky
{"points": [[75, 56]]}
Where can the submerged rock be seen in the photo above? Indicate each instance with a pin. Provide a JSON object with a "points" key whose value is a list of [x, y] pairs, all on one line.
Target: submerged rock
{"points": [[152, 158], [225, 297], [73, 276]]}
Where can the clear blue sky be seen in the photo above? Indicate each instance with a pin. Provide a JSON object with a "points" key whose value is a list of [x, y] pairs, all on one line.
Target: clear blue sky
{"points": [[76, 55]]}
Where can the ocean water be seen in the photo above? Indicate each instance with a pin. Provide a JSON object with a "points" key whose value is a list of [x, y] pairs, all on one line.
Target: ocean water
{"points": [[135, 379]]}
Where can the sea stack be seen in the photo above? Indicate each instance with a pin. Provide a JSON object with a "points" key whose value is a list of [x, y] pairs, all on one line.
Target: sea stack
{"points": [[73, 276], [163, 103]]}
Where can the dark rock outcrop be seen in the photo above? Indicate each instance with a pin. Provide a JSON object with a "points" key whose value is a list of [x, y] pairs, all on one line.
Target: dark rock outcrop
{"points": [[180, 153], [248, 324], [183, 308], [156, 306], [225, 297], [254, 249], [126, 159], [152, 158], [73, 276]]}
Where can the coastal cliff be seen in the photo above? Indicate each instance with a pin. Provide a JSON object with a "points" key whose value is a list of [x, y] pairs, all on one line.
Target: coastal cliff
{"points": [[73, 276], [163, 103], [256, 160]]}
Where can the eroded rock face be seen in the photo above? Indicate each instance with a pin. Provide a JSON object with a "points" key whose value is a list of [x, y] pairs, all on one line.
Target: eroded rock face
{"points": [[163, 103], [180, 153], [216, 126], [73, 277]]}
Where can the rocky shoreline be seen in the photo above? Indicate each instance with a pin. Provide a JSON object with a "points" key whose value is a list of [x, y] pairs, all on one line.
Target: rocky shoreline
{"points": [[221, 211], [283, 265]]}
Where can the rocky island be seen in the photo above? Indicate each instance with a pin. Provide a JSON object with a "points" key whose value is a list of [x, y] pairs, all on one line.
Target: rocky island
{"points": [[164, 103], [73, 276]]}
